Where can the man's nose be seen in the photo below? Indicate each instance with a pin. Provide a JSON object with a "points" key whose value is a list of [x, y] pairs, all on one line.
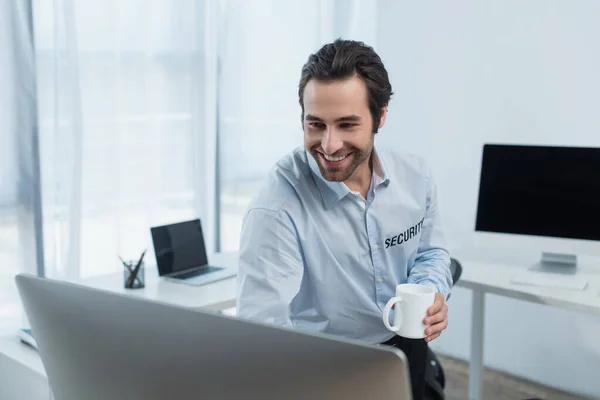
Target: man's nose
{"points": [[332, 141]]}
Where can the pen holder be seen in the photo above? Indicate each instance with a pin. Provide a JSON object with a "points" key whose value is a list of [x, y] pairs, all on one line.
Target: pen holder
{"points": [[133, 279]]}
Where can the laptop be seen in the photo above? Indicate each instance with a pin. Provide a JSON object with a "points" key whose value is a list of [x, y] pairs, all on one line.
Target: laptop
{"points": [[181, 254], [99, 345]]}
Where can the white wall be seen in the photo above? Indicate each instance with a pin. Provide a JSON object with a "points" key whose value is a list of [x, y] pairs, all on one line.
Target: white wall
{"points": [[469, 72]]}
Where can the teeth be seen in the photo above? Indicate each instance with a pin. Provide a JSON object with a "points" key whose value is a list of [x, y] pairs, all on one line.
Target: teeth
{"points": [[329, 158]]}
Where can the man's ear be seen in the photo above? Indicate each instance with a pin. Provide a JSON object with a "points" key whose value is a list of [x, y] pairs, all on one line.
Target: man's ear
{"points": [[383, 115]]}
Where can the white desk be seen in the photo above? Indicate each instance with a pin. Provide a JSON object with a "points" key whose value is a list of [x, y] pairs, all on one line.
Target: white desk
{"points": [[492, 272], [215, 296], [22, 374]]}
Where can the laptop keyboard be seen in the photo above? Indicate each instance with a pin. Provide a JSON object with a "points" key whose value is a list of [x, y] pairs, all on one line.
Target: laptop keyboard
{"points": [[199, 272]]}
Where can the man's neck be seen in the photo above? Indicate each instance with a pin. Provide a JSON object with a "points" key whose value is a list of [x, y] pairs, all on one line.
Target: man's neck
{"points": [[360, 181]]}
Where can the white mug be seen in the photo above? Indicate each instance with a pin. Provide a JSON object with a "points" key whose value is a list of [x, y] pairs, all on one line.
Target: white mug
{"points": [[411, 304]]}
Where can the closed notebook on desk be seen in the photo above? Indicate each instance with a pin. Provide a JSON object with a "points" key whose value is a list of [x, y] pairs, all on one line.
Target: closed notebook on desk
{"points": [[549, 280], [26, 336]]}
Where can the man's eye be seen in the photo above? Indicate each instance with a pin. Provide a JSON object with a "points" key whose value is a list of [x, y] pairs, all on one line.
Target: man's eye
{"points": [[317, 125], [347, 126]]}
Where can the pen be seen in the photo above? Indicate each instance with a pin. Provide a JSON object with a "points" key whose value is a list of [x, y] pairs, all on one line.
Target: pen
{"points": [[125, 264], [135, 270]]}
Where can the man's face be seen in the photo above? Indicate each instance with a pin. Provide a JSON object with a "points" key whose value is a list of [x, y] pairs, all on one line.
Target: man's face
{"points": [[338, 127]]}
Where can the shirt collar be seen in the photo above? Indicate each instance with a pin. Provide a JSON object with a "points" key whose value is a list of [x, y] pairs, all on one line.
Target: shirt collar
{"points": [[380, 175], [332, 192]]}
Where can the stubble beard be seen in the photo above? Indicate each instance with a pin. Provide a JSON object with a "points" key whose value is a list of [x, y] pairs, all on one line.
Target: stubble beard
{"points": [[343, 174]]}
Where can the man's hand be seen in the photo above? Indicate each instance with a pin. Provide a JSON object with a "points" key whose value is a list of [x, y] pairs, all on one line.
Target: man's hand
{"points": [[437, 317]]}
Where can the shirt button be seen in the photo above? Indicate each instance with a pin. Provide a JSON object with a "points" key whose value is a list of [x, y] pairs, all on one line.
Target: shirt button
{"points": [[375, 246], [379, 280]]}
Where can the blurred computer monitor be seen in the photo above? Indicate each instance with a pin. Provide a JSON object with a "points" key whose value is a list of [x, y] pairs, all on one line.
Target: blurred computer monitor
{"points": [[541, 197], [98, 345]]}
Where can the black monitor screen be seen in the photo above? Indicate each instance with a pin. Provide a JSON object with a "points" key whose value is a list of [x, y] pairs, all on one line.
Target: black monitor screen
{"points": [[179, 246], [540, 190]]}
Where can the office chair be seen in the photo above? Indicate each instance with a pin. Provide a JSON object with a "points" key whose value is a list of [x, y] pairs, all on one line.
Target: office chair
{"points": [[435, 380], [455, 270]]}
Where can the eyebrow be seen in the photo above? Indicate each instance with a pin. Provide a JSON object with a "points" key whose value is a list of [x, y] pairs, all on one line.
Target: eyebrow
{"points": [[347, 118]]}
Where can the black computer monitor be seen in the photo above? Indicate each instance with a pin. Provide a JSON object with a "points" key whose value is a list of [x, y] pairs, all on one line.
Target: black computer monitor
{"points": [[550, 192]]}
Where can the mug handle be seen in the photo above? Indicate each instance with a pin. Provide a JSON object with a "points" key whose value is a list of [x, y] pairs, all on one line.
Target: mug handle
{"points": [[386, 314]]}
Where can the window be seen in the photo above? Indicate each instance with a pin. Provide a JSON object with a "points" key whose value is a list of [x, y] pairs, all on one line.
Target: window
{"points": [[120, 104]]}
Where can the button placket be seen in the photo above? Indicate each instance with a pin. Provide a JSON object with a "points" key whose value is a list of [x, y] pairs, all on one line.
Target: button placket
{"points": [[374, 246]]}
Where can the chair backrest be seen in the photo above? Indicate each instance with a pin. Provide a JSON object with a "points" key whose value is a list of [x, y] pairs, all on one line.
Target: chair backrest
{"points": [[455, 270]]}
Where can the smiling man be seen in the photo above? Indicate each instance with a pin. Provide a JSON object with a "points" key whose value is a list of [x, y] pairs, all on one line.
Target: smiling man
{"points": [[339, 223]]}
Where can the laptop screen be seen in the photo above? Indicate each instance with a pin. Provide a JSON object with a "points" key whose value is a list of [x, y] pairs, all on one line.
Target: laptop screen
{"points": [[179, 246]]}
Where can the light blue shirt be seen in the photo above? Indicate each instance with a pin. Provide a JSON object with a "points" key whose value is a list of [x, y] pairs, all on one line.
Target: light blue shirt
{"points": [[316, 256]]}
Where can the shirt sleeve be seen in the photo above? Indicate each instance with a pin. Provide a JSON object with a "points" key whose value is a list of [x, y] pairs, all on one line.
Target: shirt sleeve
{"points": [[432, 263], [270, 267]]}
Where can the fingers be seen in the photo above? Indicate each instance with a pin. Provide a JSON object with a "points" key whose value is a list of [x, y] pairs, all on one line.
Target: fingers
{"points": [[434, 336], [437, 319], [434, 332], [441, 315], [437, 304], [435, 307], [437, 328], [437, 323]]}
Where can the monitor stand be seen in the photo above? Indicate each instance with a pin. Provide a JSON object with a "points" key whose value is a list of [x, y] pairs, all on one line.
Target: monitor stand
{"points": [[556, 263]]}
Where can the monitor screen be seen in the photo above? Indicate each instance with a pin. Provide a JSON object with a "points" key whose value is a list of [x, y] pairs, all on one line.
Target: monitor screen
{"points": [[179, 246], [540, 190]]}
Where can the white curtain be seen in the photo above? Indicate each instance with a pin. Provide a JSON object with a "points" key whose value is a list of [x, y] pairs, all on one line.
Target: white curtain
{"points": [[263, 45], [122, 127], [19, 174]]}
